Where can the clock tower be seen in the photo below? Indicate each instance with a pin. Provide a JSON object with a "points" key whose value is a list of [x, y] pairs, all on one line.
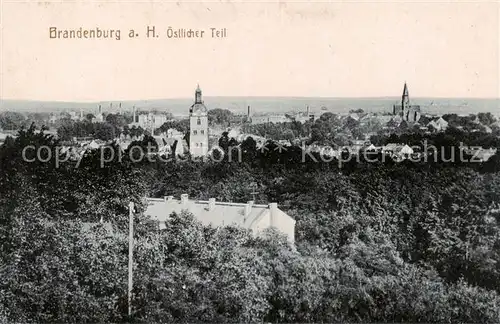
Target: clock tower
{"points": [[198, 126]]}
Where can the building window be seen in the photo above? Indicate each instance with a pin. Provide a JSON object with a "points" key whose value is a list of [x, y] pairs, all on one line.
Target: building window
{"points": [[199, 121], [202, 132], [195, 132], [201, 144], [196, 144]]}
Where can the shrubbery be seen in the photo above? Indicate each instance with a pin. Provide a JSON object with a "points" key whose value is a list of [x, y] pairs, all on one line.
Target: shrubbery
{"points": [[385, 243]]}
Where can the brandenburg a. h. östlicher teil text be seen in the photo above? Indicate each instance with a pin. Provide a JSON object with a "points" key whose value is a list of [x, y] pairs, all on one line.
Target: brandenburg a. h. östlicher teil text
{"points": [[151, 32]]}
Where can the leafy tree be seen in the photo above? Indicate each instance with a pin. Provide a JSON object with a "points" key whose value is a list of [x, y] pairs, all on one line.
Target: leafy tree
{"points": [[219, 116], [104, 131], [10, 120], [486, 118], [117, 120], [371, 245], [89, 117], [181, 126]]}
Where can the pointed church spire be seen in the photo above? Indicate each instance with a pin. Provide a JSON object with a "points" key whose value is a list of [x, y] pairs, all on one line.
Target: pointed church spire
{"points": [[405, 99], [405, 90]]}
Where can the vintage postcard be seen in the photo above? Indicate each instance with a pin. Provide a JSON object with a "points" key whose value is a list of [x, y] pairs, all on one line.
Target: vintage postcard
{"points": [[249, 161]]}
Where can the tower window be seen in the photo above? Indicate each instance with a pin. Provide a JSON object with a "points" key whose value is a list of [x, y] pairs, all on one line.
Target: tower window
{"points": [[199, 121], [201, 144], [195, 132], [196, 144], [202, 132]]}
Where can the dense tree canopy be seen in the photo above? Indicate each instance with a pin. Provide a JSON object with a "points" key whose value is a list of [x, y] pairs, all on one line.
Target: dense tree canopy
{"points": [[219, 116], [376, 242], [119, 121], [279, 131], [451, 137], [10, 120], [109, 130], [179, 125]]}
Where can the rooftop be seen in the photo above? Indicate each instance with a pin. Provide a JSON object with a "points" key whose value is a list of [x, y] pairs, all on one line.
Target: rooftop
{"points": [[210, 212]]}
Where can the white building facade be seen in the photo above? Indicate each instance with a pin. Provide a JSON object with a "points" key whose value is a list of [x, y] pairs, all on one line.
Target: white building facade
{"points": [[254, 217]]}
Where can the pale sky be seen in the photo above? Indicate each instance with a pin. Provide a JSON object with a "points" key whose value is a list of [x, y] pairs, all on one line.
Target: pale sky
{"points": [[336, 49]]}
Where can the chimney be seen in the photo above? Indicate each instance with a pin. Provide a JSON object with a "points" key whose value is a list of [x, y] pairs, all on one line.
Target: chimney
{"points": [[248, 112], [273, 208], [184, 199], [248, 208], [308, 111], [134, 112], [211, 203], [168, 198]]}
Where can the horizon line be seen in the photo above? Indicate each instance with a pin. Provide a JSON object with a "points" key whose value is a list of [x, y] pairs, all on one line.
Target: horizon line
{"points": [[249, 97]]}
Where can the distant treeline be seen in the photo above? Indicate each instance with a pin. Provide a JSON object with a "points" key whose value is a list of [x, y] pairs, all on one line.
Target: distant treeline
{"points": [[387, 242], [113, 126], [10, 120], [334, 130]]}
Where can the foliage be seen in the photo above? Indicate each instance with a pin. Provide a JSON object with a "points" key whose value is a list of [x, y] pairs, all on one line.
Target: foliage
{"points": [[451, 137], [104, 131], [219, 116], [486, 118], [279, 131], [375, 242], [179, 125], [119, 121], [10, 120]]}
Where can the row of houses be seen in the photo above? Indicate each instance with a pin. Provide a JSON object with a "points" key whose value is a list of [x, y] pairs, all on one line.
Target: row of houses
{"points": [[398, 151], [431, 124], [149, 121], [300, 117], [78, 116], [435, 124]]}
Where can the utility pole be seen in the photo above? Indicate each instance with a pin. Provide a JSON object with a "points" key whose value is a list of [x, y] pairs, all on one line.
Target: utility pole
{"points": [[254, 190], [253, 193], [130, 254]]}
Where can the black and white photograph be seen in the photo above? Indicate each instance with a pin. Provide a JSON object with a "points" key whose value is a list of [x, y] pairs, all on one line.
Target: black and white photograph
{"points": [[249, 161]]}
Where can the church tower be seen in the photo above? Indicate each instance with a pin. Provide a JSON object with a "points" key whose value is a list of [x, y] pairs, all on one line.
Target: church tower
{"points": [[407, 111], [198, 126], [405, 101]]}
